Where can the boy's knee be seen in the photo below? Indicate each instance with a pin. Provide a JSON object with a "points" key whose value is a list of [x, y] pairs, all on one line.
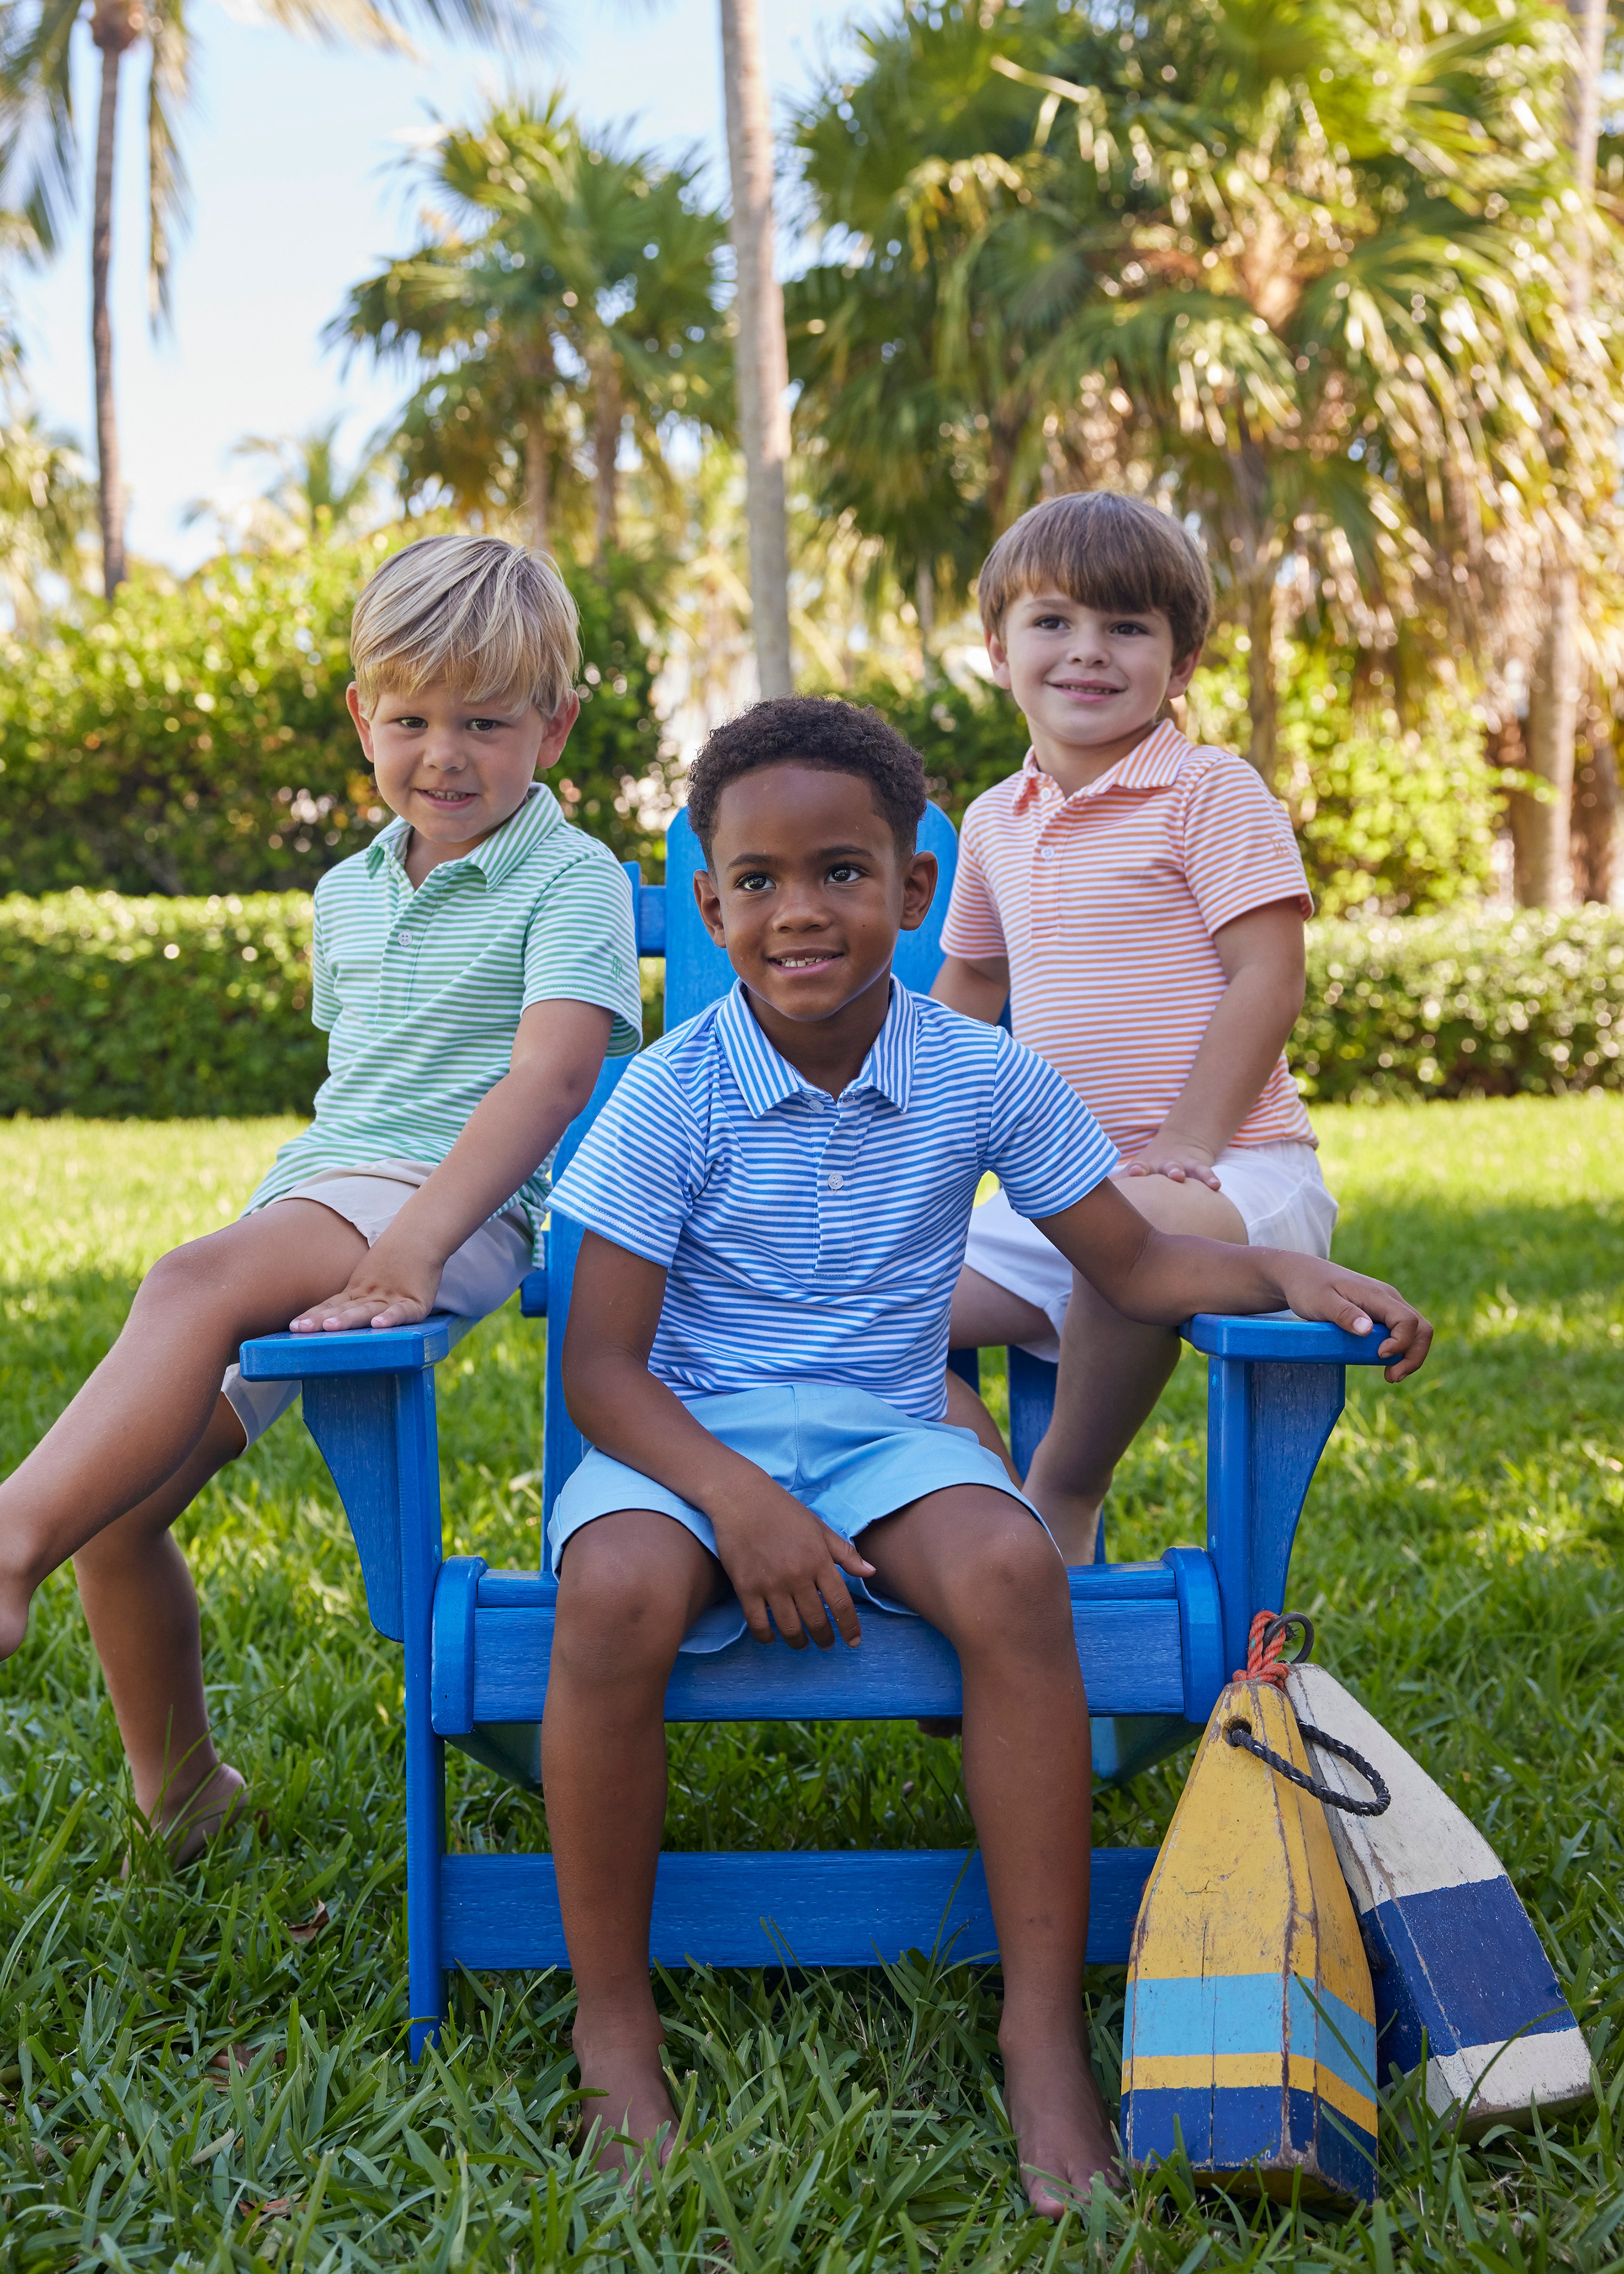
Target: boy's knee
{"points": [[1012, 1584], [618, 1612]]}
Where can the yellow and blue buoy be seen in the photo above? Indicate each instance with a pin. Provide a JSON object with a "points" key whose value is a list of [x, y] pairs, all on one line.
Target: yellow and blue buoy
{"points": [[1250, 2034]]}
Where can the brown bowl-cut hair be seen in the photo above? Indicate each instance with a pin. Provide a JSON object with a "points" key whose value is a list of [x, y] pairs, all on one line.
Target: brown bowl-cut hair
{"points": [[1103, 551]]}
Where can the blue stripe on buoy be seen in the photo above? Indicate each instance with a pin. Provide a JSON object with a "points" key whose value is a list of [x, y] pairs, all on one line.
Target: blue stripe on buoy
{"points": [[1247, 2013], [1463, 1964], [1225, 2131]]}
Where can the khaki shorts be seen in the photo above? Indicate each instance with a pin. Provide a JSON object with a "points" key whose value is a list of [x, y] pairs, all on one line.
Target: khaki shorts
{"points": [[1278, 1189], [477, 1280]]}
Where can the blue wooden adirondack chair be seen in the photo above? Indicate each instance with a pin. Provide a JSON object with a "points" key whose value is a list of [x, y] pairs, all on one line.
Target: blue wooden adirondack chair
{"points": [[1156, 1641]]}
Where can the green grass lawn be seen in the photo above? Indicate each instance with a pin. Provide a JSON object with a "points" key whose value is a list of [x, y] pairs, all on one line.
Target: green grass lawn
{"points": [[1459, 1554]]}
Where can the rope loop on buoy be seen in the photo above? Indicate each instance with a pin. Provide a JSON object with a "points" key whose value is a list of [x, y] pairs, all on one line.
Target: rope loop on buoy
{"points": [[1239, 1733], [1265, 1647]]}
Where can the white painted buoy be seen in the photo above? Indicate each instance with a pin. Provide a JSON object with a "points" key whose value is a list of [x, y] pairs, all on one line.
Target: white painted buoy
{"points": [[1453, 1952]]}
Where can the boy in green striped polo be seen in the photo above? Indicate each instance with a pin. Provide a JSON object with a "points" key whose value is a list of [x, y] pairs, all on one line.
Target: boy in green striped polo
{"points": [[472, 967]]}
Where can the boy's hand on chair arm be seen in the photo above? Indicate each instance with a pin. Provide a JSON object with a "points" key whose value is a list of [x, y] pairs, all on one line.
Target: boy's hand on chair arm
{"points": [[783, 1560], [382, 1293], [1315, 1289]]}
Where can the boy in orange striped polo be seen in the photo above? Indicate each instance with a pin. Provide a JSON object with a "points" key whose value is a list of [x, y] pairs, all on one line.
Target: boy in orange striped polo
{"points": [[1138, 902]]}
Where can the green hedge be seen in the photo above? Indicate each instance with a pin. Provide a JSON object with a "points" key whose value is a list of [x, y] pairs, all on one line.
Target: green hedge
{"points": [[153, 1008], [1467, 1003]]}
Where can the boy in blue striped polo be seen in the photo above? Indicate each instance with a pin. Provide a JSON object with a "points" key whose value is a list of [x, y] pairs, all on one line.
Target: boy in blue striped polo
{"points": [[471, 968], [776, 1202]]}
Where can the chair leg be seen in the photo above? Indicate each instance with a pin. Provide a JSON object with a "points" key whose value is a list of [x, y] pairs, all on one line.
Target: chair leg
{"points": [[425, 1754]]}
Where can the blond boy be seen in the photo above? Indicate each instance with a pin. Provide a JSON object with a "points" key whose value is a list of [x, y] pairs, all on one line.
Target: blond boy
{"points": [[472, 967], [1138, 902]]}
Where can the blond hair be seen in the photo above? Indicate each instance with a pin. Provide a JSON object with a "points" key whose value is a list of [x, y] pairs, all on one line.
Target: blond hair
{"points": [[1103, 551], [490, 617]]}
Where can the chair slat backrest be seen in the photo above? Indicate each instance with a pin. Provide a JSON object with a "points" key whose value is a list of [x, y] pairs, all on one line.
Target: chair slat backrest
{"points": [[696, 970]]}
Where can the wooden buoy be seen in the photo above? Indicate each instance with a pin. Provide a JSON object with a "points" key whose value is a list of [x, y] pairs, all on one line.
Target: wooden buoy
{"points": [[1250, 2034], [1453, 1955]]}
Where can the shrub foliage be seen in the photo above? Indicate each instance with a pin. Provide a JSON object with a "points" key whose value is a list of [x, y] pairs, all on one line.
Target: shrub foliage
{"points": [[195, 738], [159, 1007], [1390, 821]]}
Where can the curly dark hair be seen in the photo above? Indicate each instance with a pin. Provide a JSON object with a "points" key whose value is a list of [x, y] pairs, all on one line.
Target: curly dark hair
{"points": [[811, 730]]}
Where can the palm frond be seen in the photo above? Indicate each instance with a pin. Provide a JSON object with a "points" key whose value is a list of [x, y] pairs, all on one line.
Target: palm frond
{"points": [[38, 145], [169, 91]]}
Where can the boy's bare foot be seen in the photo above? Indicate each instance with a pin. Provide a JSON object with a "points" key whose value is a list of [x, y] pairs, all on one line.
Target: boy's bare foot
{"points": [[186, 1821], [1062, 2132], [635, 2099]]}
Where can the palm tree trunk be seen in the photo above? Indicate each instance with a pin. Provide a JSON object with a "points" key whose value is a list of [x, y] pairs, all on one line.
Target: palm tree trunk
{"points": [[112, 36], [761, 358], [605, 449], [1540, 827], [537, 480], [925, 609], [1263, 680], [1597, 801]]}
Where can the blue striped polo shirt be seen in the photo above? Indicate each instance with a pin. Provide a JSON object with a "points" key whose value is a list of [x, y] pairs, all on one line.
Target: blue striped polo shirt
{"points": [[812, 1239]]}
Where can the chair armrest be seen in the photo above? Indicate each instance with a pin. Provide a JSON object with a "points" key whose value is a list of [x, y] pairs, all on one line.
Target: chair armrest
{"points": [[386, 1350], [1281, 1335]]}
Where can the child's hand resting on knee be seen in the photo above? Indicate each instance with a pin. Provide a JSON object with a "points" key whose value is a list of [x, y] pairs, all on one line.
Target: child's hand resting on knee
{"points": [[1179, 1158]]}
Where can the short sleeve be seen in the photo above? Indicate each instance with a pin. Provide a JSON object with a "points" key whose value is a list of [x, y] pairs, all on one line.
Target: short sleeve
{"points": [[634, 1180], [581, 947], [1239, 850], [973, 927], [1045, 1148], [323, 1003]]}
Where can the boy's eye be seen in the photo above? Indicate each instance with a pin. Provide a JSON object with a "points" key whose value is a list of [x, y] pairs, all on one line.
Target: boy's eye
{"points": [[1141, 630], [845, 872], [487, 726], [757, 880], [412, 722]]}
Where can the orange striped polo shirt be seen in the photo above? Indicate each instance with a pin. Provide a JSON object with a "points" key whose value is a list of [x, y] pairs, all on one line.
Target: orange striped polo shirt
{"points": [[1105, 904]]}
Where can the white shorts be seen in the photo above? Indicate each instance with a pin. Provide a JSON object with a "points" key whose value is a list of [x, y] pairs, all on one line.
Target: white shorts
{"points": [[1278, 1189], [477, 1280]]}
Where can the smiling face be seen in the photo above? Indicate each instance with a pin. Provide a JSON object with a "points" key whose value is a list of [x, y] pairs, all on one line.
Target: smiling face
{"points": [[807, 889], [1090, 680], [455, 769]]}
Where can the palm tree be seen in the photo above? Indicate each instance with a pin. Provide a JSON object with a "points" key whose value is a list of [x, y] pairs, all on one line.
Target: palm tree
{"points": [[314, 496], [1276, 262], [572, 287], [38, 130], [760, 357]]}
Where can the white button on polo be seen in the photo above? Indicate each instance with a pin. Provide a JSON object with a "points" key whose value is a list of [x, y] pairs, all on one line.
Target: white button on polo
{"points": [[403, 937], [835, 1180]]}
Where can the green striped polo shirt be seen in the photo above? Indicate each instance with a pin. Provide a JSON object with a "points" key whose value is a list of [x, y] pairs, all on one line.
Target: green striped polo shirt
{"points": [[421, 988]]}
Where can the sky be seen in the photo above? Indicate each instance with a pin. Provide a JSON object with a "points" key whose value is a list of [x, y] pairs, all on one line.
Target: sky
{"points": [[295, 154]]}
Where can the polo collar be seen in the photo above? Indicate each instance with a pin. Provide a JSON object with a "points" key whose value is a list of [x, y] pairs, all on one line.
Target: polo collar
{"points": [[766, 1080], [1155, 763], [501, 852]]}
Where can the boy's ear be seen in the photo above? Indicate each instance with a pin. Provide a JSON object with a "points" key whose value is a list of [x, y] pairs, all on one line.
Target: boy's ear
{"points": [[363, 724], [709, 906], [1183, 671], [919, 889], [998, 656]]}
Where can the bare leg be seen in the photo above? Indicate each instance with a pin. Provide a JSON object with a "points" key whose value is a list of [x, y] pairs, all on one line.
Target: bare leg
{"points": [[630, 1585], [144, 1409], [142, 1610], [984, 1313], [1112, 1371], [139, 1442], [973, 1562]]}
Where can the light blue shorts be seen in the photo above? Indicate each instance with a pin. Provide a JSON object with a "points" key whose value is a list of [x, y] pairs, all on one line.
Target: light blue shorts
{"points": [[849, 1457]]}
